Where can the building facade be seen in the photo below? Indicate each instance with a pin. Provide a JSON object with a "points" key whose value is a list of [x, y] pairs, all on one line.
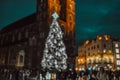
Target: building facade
{"points": [[22, 43], [103, 51], [116, 50]]}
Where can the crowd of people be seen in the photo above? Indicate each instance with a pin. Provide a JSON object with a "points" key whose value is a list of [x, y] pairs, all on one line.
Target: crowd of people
{"points": [[14, 74], [88, 74], [100, 74]]}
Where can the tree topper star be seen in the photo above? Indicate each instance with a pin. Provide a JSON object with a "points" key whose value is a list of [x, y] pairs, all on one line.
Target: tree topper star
{"points": [[55, 16]]}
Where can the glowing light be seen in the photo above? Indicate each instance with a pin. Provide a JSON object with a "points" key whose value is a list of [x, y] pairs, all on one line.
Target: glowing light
{"points": [[106, 37], [55, 16], [118, 62], [104, 51], [118, 56], [78, 60], [100, 38], [54, 56], [117, 50], [87, 42], [110, 51], [76, 69]]}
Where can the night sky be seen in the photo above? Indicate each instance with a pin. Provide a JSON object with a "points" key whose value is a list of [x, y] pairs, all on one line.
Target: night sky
{"points": [[93, 17]]}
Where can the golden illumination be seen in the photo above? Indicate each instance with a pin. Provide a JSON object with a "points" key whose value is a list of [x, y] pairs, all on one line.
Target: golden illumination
{"points": [[55, 6], [100, 38], [87, 42], [106, 37], [76, 69], [78, 60]]}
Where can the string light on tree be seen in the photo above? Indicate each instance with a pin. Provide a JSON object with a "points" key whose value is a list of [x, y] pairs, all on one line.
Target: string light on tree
{"points": [[54, 56]]}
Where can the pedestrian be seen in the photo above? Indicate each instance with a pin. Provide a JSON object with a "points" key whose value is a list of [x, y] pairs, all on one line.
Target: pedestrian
{"points": [[102, 75]]}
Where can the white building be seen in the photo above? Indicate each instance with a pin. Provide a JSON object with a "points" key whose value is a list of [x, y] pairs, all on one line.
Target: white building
{"points": [[116, 50], [103, 51]]}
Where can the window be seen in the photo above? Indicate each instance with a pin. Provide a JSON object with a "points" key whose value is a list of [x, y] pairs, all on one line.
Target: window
{"points": [[116, 45], [41, 1], [117, 50], [70, 17], [110, 51], [104, 45], [21, 59], [6, 38], [19, 36], [88, 54], [104, 51], [94, 47], [26, 34], [118, 68], [88, 49], [97, 46], [13, 38], [32, 41], [41, 35], [118, 62], [117, 56]]}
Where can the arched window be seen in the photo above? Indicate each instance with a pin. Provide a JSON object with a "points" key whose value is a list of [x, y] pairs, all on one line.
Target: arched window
{"points": [[26, 34], [13, 38], [19, 36], [21, 58]]}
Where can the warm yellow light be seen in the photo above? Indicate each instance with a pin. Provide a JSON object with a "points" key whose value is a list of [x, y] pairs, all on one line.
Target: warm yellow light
{"points": [[82, 60], [100, 38], [110, 51], [87, 42], [76, 69], [78, 60], [106, 37], [98, 51]]}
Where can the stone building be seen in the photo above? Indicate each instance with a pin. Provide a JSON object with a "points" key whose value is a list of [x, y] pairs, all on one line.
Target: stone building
{"points": [[22, 43], [99, 52]]}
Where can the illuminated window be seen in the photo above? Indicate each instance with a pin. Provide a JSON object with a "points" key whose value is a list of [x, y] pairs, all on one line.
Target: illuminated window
{"points": [[118, 68], [110, 51], [117, 56], [104, 51], [118, 62], [117, 51], [116, 45]]}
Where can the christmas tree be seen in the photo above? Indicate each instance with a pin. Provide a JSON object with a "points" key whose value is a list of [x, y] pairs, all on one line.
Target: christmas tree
{"points": [[54, 55]]}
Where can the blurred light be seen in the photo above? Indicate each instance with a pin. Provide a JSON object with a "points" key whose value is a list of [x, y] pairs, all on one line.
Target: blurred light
{"points": [[104, 51], [117, 50], [100, 38], [87, 42], [116, 45], [76, 69], [110, 51], [89, 68], [106, 37]]}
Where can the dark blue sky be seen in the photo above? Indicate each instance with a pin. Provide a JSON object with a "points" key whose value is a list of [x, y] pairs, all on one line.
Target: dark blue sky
{"points": [[93, 17]]}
